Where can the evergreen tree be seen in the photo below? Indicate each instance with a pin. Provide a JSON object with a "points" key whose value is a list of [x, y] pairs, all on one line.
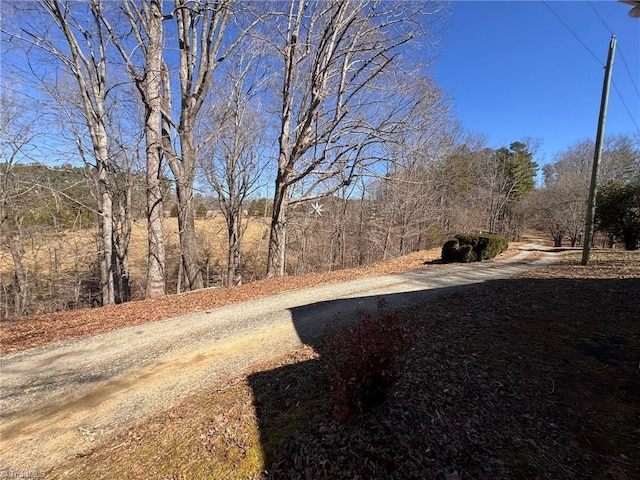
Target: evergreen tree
{"points": [[618, 212]]}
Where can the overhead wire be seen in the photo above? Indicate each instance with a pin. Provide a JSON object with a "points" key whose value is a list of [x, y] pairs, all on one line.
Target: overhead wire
{"points": [[624, 61], [615, 87], [574, 34], [598, 59]]}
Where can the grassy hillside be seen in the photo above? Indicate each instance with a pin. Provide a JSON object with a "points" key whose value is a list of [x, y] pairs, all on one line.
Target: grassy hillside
{"points": [[61, 264]]}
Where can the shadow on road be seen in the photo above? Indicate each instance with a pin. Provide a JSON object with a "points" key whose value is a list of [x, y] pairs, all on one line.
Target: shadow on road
{"points": [[510, 379]]}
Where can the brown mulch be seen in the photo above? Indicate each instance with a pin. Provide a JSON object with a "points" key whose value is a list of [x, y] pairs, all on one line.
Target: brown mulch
{"points": [[535, 377]]}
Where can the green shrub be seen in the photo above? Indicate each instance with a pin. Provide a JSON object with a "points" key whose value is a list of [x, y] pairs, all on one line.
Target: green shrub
{"points": [[473, 248], [496, 244], [450, 251], [466, 254], [467, 239], [482, 248]]}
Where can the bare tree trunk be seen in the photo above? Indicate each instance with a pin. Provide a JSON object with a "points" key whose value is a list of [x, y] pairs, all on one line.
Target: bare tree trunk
{"points": [[187, 233], [122, 240], [151, 92], [362, 240], [277, 236], [557, 239], [341, 232], [183, 169], [21, 297], [234, 272], [105, 230], [180, 275]]}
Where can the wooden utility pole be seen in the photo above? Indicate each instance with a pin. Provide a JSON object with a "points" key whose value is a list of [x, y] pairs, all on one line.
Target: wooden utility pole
{"points": [[591, 205]]}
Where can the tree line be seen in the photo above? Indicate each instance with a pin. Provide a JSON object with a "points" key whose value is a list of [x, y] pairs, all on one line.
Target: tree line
{"points": [[142, 103], [559, 207]]}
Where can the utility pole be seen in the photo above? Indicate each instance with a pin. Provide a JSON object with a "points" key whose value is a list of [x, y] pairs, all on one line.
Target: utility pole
{"points": [[591, 205]]}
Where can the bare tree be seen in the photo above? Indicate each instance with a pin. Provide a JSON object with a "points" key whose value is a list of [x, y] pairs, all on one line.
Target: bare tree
{"points": [[202, 43], [39, 205], [230, 156], [127, 147], [334, 56], [145, 23], [149, 85], [15, 137], [408, 196], [201, 26], [81, 51], [559, 208]]}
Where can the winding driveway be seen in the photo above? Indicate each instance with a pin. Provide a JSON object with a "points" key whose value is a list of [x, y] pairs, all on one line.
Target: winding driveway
{"points": [[59, 400]]}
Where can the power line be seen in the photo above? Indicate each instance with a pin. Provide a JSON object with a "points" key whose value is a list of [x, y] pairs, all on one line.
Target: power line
{"points": [[574, 34], [615, 87], [598, 60], [624, 61]]}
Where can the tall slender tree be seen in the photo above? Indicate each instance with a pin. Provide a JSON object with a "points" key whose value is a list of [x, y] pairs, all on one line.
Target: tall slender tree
{"points": [[77, 42], [231, 154], [201, 28], [145, 23], [333, 108]]}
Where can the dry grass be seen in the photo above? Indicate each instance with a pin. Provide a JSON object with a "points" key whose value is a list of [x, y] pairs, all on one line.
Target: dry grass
{"points": [[74, 251]]}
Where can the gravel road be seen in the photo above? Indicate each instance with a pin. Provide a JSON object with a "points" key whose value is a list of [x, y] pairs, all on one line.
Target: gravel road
{"points": [[63, 399]]}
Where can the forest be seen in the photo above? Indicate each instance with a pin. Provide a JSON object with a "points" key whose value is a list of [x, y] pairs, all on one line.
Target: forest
{"points": [[152, 147]]}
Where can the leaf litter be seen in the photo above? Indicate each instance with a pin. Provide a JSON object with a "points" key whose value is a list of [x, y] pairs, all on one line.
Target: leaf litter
{"points": [[500, 385]]}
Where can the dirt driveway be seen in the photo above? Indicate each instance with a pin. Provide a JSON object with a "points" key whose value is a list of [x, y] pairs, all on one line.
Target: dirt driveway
{"points": [[59, 400]]}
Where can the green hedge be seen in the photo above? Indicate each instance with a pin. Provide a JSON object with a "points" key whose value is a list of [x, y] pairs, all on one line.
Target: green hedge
{"points": [[450, 251], [473, 248]]}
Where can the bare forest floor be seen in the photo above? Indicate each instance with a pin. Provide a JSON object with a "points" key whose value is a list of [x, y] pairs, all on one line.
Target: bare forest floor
{"points": [[536, 376]]}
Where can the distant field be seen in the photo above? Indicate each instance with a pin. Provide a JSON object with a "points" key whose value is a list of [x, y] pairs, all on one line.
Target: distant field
{"points": [[68, 251]]}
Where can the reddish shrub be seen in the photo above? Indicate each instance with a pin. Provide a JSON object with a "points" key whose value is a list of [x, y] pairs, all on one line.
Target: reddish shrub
{"points": [[362, 360]]}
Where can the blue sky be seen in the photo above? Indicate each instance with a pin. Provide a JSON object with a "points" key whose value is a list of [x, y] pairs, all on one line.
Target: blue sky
{"points": [[515, 70]]}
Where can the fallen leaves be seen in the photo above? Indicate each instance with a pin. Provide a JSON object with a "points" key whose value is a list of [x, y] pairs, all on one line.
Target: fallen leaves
{"points": [[493, 389], [37, 330]]}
